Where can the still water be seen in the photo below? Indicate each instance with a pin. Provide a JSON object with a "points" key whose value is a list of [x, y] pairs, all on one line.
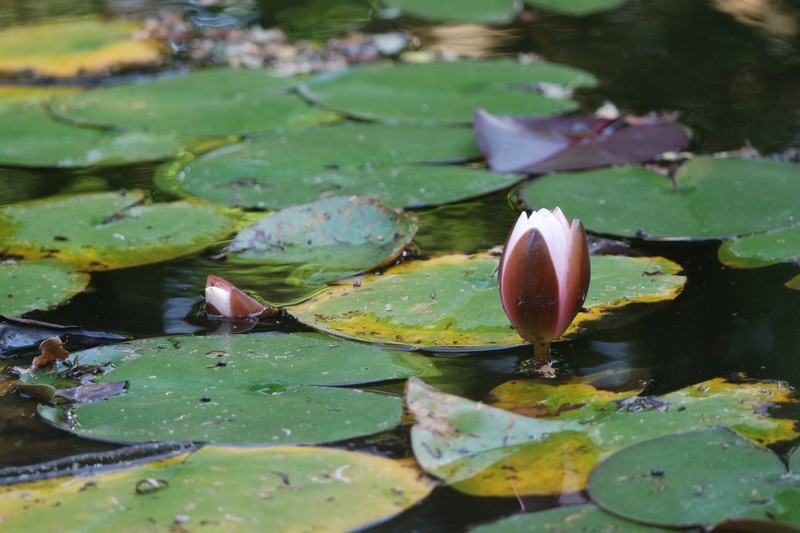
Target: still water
{"points": [[733, 75]]}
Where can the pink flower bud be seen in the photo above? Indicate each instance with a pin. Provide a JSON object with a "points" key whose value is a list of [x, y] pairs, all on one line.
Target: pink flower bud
{"points": [[544, 274], [223, 299]]}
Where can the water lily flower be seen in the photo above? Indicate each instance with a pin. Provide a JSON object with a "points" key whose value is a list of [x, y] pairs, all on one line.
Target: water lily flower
{"points": [[223, 299], [544, 276]]}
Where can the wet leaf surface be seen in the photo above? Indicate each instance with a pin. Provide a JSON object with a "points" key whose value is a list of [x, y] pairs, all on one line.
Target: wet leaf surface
{"points": [[208, 102], [302, 166], [34, 285], [108, 230], [452, 303], [444, 92], [224, 489], [240, 389], [87, 46], [482, 450], [329, 239], [636, 202], [535, 145]]}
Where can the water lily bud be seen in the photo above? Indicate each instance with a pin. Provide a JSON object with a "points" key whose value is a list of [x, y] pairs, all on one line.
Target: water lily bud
{"points": [[544, 275], [223, 299]]}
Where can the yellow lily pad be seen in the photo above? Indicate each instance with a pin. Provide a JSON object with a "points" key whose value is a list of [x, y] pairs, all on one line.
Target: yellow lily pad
{"points": [[111, 230], [452, 302], [486, 451], [72, 47], [281, 488]]}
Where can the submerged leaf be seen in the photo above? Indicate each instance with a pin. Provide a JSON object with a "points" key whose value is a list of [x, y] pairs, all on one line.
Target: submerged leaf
{"points": [[536, 145], [223, 489]]}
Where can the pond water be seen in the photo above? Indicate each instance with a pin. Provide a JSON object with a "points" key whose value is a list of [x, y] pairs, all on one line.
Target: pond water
{"points": [[733, 79]]}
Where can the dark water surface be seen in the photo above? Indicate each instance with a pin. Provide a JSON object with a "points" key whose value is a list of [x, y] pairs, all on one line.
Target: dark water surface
{"points": [[732, 82]]}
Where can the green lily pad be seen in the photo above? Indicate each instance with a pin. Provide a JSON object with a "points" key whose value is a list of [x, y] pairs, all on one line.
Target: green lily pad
{"points": [[452, 302], [332, 238], [445, 92], [485, 11], [697, 478], [494, 11], [563, 519], [577, 8], [481, 450], [33, 138], [37, 285], [72, 47], [223, 489], [301, 166], [762, 249], [208, 102], [794, 283], [110, 230], [241, 389], [636, 202], [15, 98]]}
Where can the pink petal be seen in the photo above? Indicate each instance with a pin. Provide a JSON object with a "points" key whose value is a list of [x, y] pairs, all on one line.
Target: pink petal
{"points": [[223, 299]]}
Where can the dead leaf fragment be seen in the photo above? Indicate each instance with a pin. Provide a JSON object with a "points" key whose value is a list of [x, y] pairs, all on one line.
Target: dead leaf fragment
{"points": [[52, 350]]}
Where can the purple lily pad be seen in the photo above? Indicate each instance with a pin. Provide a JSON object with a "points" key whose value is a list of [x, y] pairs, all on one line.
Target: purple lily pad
{"points": [[534, 145]]}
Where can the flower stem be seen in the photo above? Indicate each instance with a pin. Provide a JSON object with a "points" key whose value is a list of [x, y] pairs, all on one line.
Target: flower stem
{"points": [[541, 351]]}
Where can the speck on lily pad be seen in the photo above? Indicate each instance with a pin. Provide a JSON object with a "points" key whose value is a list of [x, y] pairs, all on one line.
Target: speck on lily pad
{"points": [[445, 92], [282, 488], [37, 285], [636, 202], [452, 302], [111, 230], [240, 389], [330, 238]]}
